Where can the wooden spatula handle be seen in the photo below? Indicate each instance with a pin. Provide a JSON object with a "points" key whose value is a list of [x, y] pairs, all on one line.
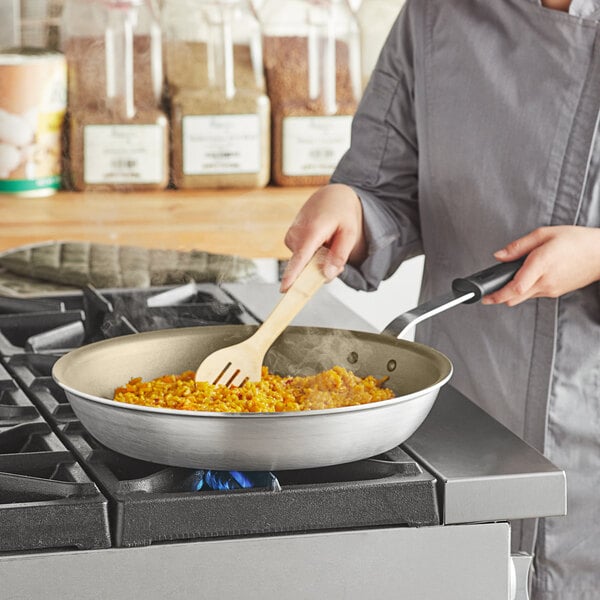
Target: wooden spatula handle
{"points": [[300, 292]]}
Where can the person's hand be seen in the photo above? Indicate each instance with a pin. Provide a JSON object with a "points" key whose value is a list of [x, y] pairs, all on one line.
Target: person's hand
{"points": [[331, 217], [560, 259]]}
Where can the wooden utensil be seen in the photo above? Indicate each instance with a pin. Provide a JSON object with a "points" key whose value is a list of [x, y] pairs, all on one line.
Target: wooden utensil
{"points": [[234, 365]]}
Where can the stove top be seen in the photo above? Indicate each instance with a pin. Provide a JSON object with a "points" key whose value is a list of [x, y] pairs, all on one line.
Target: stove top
{"points": [[61, 488], [52, 471]]}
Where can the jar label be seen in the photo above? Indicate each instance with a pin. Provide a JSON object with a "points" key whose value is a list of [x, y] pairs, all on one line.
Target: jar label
{"points": [[221, 144], [314, 145], [123, 154]]}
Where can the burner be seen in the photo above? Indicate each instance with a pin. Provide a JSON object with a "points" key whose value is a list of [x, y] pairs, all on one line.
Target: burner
{"points": [[233, 480], [366, 493]]}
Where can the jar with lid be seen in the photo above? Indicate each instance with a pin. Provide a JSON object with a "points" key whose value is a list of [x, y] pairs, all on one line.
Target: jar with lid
{"points": [[375, 19], [220, 113], [118, 138], [312, 67]]}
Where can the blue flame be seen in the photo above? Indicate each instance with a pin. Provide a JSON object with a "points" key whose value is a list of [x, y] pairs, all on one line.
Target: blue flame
{"points": [[233, 480], [227, 480], [243, 480]]}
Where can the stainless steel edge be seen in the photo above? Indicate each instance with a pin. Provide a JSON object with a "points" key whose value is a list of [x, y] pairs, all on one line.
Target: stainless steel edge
{"points": [[463, 562], [486, 472]]}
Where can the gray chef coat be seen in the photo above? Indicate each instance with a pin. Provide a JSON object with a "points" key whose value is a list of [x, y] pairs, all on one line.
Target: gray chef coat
{"points": [[479, 124]]}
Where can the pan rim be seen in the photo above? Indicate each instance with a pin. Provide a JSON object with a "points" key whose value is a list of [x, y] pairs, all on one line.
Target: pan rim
{"points": [[306, 413], [445, 375]]}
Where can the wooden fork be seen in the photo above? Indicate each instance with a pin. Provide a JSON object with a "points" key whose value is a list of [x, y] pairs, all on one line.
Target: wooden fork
{"points": [[234, 365]]}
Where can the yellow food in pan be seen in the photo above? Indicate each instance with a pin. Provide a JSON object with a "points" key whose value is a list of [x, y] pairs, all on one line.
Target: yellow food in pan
{"points": [[334, 388]]}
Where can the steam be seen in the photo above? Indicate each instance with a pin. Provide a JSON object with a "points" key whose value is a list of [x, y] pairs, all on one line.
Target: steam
{"points": [[317, 349]]}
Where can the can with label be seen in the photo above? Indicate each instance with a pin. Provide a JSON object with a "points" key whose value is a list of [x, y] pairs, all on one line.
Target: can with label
{"points": [[33, 101]]}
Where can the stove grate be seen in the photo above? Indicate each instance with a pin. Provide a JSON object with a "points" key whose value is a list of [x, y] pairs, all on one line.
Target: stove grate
{"points": [[152, 503], [46, 499]]}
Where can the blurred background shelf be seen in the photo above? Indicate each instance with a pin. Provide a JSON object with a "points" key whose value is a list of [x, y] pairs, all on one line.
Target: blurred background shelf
{"points": [[249, 223]]}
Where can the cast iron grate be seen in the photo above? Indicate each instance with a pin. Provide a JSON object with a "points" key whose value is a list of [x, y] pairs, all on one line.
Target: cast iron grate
{"points": [[153, 503], [46, 499], [72, 320]]}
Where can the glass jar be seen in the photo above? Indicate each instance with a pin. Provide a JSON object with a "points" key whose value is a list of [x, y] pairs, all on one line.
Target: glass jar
{"points": [[312, 67], [220, 113], [118, 134], [375, 19]]}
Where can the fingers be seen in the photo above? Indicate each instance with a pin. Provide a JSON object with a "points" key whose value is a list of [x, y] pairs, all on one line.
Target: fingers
{"points": [[332, 217], [342, 245], [526, 282], [557, 262], [522, 287], [524, 245], [295, 265], [333, 263], [304, 238]]}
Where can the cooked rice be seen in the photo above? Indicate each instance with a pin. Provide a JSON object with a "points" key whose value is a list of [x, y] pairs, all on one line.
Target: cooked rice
{"points": [[330, 389]]}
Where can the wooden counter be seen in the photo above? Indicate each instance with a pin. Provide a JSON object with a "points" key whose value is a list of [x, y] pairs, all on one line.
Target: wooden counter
{"points": [[250, 223]]}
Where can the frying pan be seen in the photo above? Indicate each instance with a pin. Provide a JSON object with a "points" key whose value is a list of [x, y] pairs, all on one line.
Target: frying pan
{"points": [[266, 441]]}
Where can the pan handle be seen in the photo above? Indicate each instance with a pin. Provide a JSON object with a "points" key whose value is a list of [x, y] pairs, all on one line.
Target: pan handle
{"points": [[468, 290], [487, 281]]}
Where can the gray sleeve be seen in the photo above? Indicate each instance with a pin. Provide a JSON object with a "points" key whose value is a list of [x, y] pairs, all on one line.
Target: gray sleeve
{"points": [[382, 162]]}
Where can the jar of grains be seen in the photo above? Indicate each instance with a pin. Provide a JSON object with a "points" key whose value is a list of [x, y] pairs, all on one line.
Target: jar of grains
{"points": [[220, 113], [312, 67], [375, 19], [118, 138]]}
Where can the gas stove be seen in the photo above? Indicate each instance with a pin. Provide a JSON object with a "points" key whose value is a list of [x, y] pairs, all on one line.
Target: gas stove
{"points": [[78, 520]]}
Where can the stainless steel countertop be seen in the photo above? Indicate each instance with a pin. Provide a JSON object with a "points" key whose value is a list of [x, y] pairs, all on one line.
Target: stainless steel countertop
{"points": [[485, 472]]}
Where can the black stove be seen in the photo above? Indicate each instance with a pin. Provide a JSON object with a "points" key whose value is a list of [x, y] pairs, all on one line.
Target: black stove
{"points": [[52, 471]]}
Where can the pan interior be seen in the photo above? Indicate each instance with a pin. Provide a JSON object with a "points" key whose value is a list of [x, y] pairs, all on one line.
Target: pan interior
{"points": [[97, 369]]}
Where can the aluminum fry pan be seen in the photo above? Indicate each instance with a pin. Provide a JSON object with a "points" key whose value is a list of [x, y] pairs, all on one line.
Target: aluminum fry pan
{"points": [[251, 441], [266, 441]]}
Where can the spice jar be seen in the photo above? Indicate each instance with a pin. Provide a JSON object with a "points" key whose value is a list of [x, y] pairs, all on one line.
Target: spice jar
{"points": [[375, 19], [118, 136], [312, 67], [220, 113]]}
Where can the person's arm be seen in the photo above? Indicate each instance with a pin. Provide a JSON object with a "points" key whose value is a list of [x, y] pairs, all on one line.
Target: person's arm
{"points": [[560, 259]]}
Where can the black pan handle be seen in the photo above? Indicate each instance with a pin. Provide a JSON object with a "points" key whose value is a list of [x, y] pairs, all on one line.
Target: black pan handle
{"points": [[487, 281]]}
